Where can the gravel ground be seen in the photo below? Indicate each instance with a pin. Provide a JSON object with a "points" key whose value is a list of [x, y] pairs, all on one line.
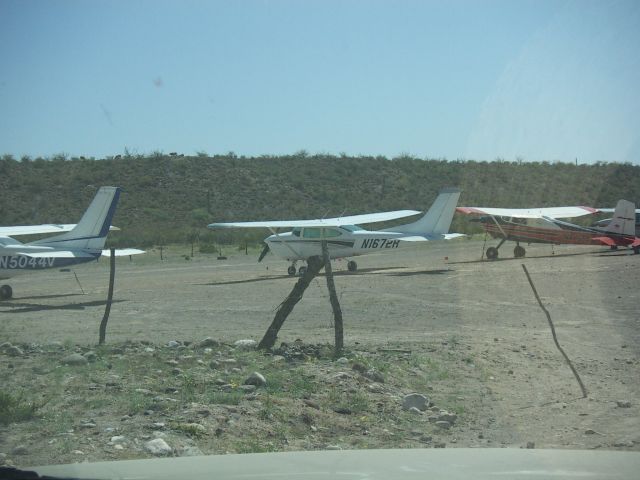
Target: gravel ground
{"points": [[479, 320]]}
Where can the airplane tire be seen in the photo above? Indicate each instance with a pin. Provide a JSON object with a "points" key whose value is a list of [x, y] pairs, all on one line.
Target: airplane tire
{"points": [[302, 270], [352, 266], [492, 253], [6, 292], [291, 270], [636, 250], [519, 251]]}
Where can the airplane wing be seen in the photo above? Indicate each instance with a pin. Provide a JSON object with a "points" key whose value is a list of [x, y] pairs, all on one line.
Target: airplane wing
{"points": [[324, 222], [552, 212], [38, 229]]}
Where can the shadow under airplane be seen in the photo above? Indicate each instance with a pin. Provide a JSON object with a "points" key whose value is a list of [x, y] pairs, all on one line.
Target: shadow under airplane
{"points": [[34, 307]]}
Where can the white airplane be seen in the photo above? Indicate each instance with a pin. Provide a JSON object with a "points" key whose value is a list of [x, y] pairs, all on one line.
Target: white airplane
{"points": [[346, 239], [80, 243]]}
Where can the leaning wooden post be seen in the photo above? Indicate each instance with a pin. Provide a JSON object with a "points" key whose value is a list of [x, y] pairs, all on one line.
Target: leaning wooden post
{"points": [[333, 298], [107, 310], [314, 265]]}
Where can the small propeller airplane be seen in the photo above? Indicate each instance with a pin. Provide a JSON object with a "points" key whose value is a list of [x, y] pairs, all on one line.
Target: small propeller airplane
{"points": [[346, 239], [80, 243], [542, 225]]}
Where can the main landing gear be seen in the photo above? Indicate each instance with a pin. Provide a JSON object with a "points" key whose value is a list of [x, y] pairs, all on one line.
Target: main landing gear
{"points": [[352, 266], [292, 270], [6, 292], [518, 251]]}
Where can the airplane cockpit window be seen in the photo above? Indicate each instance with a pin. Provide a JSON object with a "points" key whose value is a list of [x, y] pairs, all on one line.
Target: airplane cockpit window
{"points": [[317, 233], [296, 231]]}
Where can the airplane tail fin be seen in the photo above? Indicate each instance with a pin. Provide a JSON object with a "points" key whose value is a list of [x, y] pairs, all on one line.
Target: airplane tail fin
{"points": [[438, 218], [624, 219], [91, 232]]}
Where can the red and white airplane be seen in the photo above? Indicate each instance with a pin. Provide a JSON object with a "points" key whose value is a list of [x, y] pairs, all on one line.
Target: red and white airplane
{"points": [[542, 225]]}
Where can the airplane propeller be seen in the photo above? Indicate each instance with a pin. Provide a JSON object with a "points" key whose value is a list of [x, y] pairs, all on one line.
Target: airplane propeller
{"points": [[264, 252]]}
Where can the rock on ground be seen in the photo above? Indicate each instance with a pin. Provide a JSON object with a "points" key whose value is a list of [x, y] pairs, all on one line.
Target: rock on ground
{"points": [[415, 400], [157, 446], [74, 359]]}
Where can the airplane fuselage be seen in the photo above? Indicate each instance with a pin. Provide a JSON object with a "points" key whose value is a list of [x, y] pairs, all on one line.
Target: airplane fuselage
{"points": [[301, 244], [12, 265]]}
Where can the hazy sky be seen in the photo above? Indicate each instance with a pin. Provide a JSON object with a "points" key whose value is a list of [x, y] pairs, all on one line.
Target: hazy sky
{"points": [[539, 80]]}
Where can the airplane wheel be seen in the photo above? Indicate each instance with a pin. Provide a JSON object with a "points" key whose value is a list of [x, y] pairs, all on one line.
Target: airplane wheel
{"points": [[492, 253], [352, 266], [291, 270], [636, 250], [614, 247], [519, 251], [302, 270], [6, 292]]}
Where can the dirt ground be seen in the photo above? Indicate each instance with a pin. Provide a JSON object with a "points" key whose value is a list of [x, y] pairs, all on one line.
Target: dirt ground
{"points": [[512, 386]]}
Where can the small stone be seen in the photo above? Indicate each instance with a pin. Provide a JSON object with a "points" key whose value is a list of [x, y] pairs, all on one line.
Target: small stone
{"points": [[312, 404], [158, 447], [359, 367], [342, 410], [415, 400], [278, 359], [88, 425], [333, 447], [208, 342], [342, 360], [118, 439], [173, 344], [443, 424], [90, 356], [248, 388], [149, 350], [256, 379], [190, 451], [143, 391], [20, 450], [176, 371], [590, 431], [415, 410], [118, 446], [4, 346], [13, 351], [74, 359], [623, 404], [531, 445], [374, 375], [220, 381], [246, 344], [214, 364]]}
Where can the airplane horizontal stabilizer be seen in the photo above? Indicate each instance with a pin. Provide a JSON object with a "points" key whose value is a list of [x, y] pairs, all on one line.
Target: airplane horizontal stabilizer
{"points": [[123, 252], [605, 241]]}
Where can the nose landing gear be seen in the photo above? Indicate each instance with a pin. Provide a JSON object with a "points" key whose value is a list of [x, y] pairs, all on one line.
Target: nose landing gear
{"points": [[6, 292]]}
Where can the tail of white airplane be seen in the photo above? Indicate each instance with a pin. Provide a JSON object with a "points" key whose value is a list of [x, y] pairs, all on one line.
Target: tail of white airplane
{"points": [[91, 232], [624, 219], [438, 218]]}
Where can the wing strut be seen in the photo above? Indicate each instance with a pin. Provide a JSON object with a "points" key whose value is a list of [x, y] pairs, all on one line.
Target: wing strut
{"points": [[286, 244]]}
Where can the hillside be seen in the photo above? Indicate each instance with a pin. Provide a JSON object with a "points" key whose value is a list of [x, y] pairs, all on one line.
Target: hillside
{"points": [[167, 198]]}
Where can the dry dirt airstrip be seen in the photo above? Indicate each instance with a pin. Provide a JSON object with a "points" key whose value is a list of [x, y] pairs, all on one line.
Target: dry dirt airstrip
{"points": [[508, 382]]}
